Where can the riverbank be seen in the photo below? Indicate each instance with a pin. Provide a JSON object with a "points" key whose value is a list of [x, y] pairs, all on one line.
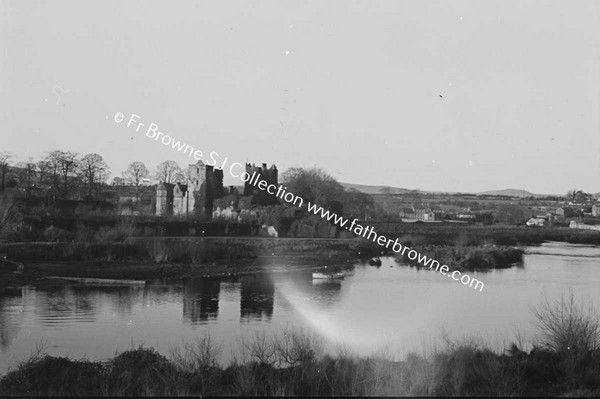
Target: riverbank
{"points": [[41, 273], [462, 247], [295, 366]]}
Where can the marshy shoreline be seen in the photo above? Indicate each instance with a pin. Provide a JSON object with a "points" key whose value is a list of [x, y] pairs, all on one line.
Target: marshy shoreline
{"points": [[168, 258], [116, 254], [564, 361]]}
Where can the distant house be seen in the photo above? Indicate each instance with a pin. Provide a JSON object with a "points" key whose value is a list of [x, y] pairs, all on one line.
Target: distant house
{"points": [[536, 222], [420, 213], [424, 214], [560, 211], [407, 213], [596, 210]]}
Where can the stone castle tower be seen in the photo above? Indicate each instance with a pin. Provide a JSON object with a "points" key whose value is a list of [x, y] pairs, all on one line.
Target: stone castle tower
{"points": [[205, 184], [270, 175]]}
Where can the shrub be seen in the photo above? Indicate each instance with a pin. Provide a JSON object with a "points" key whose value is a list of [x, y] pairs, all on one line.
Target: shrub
{"points": [[123, 230], [568, 326], [142, 372], [54, 376]]}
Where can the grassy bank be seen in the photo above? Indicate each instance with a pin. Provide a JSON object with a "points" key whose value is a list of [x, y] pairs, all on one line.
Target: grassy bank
{"points": [[565, 361], [172, 249], [158, 258], [468, 257]]}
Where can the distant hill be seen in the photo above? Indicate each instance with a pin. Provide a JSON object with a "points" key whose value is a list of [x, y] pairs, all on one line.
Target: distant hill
{"points": [[364, 188], [512, 192], [367, 189]]}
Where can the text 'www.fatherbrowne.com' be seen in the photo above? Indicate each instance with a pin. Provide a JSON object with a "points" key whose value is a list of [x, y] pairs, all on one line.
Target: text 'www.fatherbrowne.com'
{"points": [[151, 131]]}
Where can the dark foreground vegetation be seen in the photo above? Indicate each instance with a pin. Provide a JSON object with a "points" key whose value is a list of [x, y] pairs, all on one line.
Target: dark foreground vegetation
{"points": [[564, 361]]}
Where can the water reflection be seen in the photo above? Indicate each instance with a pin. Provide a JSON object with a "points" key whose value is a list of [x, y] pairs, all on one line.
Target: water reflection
{"points": [[58, 303], [160, 292], [326, 287], [298, 288], [257, 297], [200, 300], [10, 321]]}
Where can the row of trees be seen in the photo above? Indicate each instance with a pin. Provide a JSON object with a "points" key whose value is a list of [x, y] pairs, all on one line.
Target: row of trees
{"points": [[61, 173], [55, 174]]}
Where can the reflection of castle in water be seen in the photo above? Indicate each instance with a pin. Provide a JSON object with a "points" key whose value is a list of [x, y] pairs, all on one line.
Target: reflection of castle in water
{"points": [[257, 297], [10, 320], [200, 300]]}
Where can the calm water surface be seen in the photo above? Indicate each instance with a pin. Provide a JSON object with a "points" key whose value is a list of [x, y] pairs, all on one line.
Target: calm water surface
{"points": [[393, 306]]}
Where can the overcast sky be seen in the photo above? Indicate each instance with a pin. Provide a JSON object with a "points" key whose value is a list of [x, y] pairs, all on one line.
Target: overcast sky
{"points": [[452, 95]]}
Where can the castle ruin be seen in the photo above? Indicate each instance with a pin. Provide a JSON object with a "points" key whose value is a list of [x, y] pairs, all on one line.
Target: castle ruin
{"points": [[205, 184]]}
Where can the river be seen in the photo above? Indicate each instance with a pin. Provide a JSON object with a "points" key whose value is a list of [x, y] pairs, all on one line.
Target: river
{"points": [[392, 308]]}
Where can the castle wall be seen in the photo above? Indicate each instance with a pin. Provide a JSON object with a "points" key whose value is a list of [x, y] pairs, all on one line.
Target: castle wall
{"points": [[180, 202], [164, 200], [196, 177]]}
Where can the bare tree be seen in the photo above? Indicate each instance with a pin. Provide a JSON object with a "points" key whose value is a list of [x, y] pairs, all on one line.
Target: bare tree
{"points": [[135, 173], [5, 157], [63, 165], [570, 328], [27, 175], [47, 177], [169, 172], [568, 325], [93, 171]]}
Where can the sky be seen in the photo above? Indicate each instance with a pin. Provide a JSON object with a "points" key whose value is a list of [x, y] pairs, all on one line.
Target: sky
{"points": [[446, 96]]}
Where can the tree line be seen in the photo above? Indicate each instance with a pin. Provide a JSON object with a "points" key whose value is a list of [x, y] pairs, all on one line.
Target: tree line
{"points": [[59, 174]]}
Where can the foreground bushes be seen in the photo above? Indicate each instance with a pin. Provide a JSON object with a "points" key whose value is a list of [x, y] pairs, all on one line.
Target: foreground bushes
{"points": [[566, 361], [464, 369]]}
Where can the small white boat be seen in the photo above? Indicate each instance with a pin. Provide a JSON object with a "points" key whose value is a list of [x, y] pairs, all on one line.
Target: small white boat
{"points": [[328, 276]]}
